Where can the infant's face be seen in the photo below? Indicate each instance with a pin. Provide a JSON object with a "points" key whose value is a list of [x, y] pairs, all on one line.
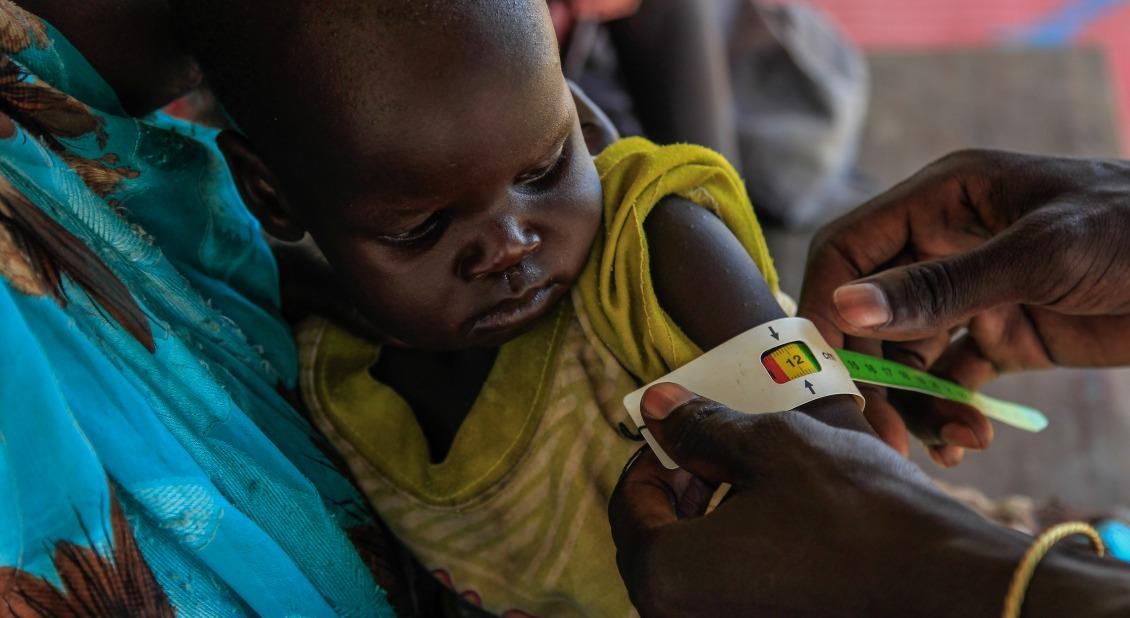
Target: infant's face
{"points": [[480, 222]]}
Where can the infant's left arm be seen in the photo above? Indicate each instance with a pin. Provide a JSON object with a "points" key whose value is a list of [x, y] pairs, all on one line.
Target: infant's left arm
{"points": [[706, 280]]}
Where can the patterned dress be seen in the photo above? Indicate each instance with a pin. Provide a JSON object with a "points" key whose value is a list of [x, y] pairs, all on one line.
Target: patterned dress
{"points": [[150, 463]]}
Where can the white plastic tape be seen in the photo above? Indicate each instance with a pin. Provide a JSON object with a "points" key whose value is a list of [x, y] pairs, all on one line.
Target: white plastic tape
{"points": [[746, 374]]}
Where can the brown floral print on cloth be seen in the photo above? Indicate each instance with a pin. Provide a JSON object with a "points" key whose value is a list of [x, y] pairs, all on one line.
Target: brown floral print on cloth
{"points": [[43, 111], [99, 175], [35, 250], [120, 584], [20, 29], [49, 115]]}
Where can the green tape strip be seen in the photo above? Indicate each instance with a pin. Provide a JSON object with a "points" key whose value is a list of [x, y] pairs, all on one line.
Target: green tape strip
{"points": [[871, 370]]}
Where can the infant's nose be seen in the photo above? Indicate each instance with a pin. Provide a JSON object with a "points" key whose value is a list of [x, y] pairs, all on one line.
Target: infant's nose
{"points": [[502, 252]]}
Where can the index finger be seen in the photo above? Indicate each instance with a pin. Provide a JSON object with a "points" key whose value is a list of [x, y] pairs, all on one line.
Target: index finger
{"points": [[851, 247], [946, 209]]}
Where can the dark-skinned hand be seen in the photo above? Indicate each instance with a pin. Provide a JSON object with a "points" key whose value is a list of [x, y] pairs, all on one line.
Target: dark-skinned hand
{"points": [[822, 520], [1026, 258]]}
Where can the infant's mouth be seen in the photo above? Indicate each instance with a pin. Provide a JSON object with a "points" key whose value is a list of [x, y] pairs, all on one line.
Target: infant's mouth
{"points": [[515, 312]]}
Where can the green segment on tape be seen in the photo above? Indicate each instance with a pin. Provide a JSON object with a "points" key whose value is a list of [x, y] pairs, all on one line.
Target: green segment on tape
{"points": [[864, 368]]}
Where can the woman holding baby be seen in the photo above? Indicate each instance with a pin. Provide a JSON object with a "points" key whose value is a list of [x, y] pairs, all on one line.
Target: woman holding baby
{"points": [[153, 462]]}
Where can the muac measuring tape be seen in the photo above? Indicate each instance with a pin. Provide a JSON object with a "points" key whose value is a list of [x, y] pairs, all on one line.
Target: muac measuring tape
{"points": [[880, 372], [786, 363]]}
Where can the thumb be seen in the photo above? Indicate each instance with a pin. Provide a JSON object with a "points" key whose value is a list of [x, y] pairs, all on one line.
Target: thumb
{"points": [[706, 438], [924, 298]]}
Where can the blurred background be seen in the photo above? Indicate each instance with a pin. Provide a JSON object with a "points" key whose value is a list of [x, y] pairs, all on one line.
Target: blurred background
{"points": [[1049, 76]]}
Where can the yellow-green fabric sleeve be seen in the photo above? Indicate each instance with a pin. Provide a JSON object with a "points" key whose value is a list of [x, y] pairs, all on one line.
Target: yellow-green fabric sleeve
{"points": [[615, 288]]}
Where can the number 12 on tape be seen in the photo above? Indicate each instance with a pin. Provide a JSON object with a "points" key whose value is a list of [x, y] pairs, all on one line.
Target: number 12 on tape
{"points": [[786, 363], [789, 362]]}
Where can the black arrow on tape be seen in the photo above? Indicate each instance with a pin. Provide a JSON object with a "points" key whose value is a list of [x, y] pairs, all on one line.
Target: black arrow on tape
{"points": [[810, 387], [773, 334]]}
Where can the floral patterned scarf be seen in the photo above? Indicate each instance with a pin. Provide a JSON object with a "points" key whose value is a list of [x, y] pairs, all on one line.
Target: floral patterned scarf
{"points": [[149, 461]]}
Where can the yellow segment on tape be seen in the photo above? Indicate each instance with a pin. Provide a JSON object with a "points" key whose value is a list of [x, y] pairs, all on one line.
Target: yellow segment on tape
{"points": [[790, 361]]}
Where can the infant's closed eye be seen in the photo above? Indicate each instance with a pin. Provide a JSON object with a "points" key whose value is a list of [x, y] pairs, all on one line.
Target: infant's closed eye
{"points": [[546, 176], [430, 229]]}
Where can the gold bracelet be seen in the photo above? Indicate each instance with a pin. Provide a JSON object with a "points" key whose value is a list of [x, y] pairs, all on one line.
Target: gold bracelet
{"points": [[1027, 567]]}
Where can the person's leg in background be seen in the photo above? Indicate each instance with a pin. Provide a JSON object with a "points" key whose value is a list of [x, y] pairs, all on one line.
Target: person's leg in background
{"points": [[674, 63]]}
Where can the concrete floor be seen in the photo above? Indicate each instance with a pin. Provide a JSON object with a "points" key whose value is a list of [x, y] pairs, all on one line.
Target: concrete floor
{"points": [[925, 104]]}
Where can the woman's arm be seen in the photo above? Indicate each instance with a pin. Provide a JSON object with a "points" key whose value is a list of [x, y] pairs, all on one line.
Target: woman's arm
{"points": [[1069, 584], [821, 521]]}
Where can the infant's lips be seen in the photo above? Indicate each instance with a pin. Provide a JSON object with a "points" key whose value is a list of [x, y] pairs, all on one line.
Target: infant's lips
{"points": [[516, 310], [516, 301]]}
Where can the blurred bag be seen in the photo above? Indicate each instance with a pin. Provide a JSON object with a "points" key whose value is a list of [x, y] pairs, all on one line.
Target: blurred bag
{"points": [[801, 93]]}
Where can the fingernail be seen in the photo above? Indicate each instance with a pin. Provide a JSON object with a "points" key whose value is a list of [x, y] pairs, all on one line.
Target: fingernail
{"points": [[960, 435], [862, 305], [662, 399], [951, 456]]}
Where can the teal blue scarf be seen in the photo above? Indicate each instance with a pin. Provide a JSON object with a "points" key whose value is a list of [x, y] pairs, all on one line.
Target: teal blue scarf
{"points": [[148, 461]]}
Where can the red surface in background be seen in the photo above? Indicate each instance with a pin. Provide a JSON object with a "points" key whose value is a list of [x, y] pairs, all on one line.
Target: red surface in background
{"points": [[879, 24], [962, 24]]}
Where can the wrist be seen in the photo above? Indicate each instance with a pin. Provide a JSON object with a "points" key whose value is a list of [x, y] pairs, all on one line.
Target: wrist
{"points": [[972, 567], [1072, 581], [975, 568], [957, 563]]}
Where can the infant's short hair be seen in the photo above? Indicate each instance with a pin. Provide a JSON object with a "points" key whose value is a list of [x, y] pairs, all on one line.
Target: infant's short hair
{"points": [[275, 63]]}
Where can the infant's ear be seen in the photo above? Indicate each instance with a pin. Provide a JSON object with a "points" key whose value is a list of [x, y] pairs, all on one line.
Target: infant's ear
{"points": [[598, 130], [258, 187]]}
